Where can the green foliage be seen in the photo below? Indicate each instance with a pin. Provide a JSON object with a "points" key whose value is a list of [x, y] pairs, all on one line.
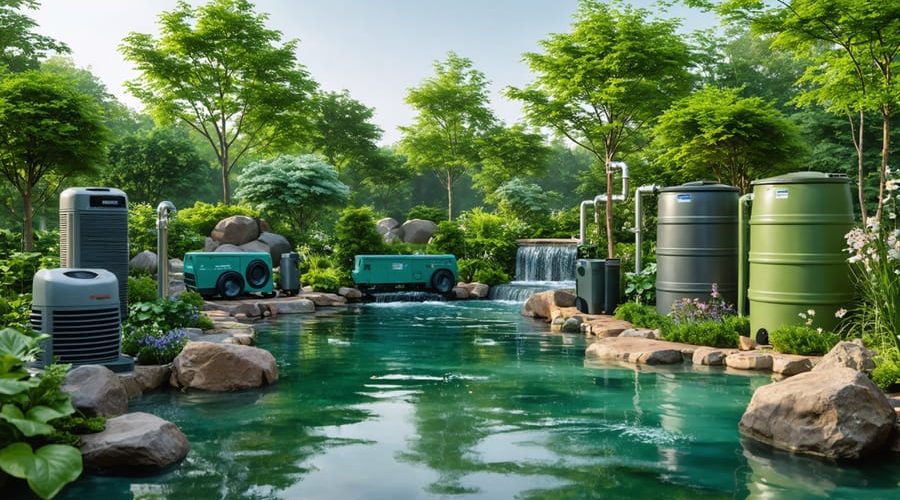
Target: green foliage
{"points": [[886, 374], [740, 324], [219, 69], [205, 323], [154, 332], [165, 314], [152, 345], [705, 332], [17, 272], [355, 234], [192, 298], [323, 279], [490, 273], [507, 154], [203, 217], [22, 49], [641, 287], [690, 310], [30, 406], [803, 339], [293, 189], [642, 316], [142, 232], [68, 428], [141, 289], [522, 199], [344, 132], [15, 311], [426, 212], [448, 238]]}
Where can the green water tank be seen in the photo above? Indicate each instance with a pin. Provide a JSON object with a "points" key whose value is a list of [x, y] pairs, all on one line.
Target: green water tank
{"points": [[796, 258], [696, 243]]}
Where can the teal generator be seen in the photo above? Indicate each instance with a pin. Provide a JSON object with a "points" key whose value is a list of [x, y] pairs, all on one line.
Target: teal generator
{"points": [[228, 274], [437, 273]]}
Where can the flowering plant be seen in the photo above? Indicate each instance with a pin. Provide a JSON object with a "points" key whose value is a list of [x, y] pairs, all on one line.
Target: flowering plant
{"points": [[152, 345], [693, 310]]}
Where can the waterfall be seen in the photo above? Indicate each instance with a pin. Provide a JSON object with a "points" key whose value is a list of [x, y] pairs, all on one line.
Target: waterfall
{"points": [[546, 262], [407, 296]]}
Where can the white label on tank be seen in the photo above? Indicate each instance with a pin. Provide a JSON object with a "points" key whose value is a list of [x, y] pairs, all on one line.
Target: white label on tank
{"points": [[683, 198], [397, 266], [782, 194]]}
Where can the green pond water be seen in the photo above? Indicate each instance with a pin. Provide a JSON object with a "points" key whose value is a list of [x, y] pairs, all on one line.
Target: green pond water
{"points": [[453, 400]]}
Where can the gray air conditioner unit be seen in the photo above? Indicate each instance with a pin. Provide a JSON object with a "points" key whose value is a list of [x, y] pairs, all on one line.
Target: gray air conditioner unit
{"points": [[93, 233], [79, 309]]}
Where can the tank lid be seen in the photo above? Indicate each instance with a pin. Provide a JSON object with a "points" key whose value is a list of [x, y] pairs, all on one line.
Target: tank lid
{"points": [[804, 178], [699, 186]]}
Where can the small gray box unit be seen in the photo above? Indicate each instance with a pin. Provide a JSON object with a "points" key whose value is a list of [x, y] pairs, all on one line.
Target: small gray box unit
{"points": [[93, 233], [79, 308]]}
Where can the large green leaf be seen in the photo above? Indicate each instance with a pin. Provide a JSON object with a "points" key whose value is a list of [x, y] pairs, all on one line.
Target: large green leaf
{"points": [[16, 460], [13, 415], [44, 414], [13, 342], [47, 471], [12, 387]]}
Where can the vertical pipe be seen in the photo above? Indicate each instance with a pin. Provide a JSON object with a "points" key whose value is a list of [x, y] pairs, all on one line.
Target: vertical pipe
{"points": [[163, 211], [744, 204], [582, 224], [649, 189]]}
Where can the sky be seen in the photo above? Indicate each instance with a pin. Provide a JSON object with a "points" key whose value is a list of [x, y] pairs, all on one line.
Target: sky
{"points": [[375, 49]]}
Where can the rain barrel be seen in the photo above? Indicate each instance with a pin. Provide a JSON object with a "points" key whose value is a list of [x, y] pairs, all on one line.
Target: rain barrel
{"points": [[696, 243], [796, 258]]}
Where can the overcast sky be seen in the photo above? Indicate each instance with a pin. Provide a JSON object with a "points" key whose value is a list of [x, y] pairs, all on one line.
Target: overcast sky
{"points": [[376, 49]]}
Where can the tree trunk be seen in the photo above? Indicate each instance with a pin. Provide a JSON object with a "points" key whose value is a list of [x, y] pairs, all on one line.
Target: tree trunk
{"points": [[610, 243], [27, 229], [226, 186], [885, 156], [861, 170], [449, 200]]}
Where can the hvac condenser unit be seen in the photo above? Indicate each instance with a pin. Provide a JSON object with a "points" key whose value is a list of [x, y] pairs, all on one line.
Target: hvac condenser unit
{"points": [[93, 233], [79, 309]]}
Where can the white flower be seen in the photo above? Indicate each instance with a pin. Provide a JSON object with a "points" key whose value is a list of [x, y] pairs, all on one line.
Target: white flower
{"points": [[811, 312], [840, 313], [819, 330]]}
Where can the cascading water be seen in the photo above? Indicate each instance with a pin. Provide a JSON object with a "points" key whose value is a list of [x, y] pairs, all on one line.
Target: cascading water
{"points": [[407, 296], [539, 267]]}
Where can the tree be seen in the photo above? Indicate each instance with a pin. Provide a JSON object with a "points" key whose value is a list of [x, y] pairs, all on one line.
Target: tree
{"points": [[20, 48], [735, 138], [155, 165], [344, 133], [48, 132], [603, 82], [522, 199], [218, 69], [453, 113], [355, 234], [508, 153], [292, 188]]}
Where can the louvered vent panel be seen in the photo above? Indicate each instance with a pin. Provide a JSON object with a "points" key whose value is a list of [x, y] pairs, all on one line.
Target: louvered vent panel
{"points": [[36, 320], [86, 336], [104, 244], [65, 239]]}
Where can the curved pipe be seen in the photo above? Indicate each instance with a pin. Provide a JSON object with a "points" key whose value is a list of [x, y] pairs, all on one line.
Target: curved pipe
{"points": [[745, 204], [163, 211], [601, 199], [639, 193]]}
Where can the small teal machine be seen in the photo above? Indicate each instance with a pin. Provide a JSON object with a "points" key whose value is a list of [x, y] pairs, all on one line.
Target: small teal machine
{"points": [[438, 273], [228, 274]]}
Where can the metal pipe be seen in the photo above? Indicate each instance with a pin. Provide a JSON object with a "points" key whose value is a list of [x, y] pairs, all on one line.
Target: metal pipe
{"points": [[163, 211], [650, 189], [601, 198], [744, 204]]}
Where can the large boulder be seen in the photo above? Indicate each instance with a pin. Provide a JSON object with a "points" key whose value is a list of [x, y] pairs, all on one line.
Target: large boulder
{"points": [[96, 391], [385, 225], [417, 231], [144, 261], [223, 367], [228, 247], [393, 236], [541, 305], [847, 354], [636, 350], [278, 245], [837, 414], [135, 443], [256, 246], [210, 245], [236, 230]]}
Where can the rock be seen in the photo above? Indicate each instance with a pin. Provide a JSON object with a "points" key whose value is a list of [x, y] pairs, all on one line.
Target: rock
{"points": [[393, 236], [176, 287], [255, 246], [96, 391], [479, 290], [837, 413], [385, 225], [210, 245], [264, 226], [895, 436], [350, 293], [176, 266], [540, 305], [790, 365], [277, 244], [605, 326], [144, 261], [636, 350], [236, 230], [134, 443], [222, 367], [558, 321], [151, 377], [321, 299], [459, 293], [294, 305], [749, 360], [850, 355], [746, 343], [417, 231], [248, 308], [644, 333], [132, 388], [710, 356], [228, 247], [571, 325]]}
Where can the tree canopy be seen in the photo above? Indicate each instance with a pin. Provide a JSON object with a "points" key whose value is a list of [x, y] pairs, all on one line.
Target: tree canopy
{"points": [[344, 132], [21, 48], [221, 71]]}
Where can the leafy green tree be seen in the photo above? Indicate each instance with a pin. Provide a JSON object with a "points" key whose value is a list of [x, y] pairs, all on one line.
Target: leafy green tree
{"points": [[355, 234], [382, 181], [292, 188], [218, 69], [508, 153], [452, 115], [522, 199], [155, 165], [603, 82], [48, 132], [735, 138], [344, 132], [21, 48]]}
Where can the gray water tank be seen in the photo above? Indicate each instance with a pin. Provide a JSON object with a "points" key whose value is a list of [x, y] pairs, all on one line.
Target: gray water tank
{"points": [[79, 309], [696, 243], [589, 285], [289, 273], [93, 233]]}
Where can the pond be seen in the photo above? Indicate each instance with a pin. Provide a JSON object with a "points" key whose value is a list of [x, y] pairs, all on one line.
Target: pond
{"points": [[470, 400]]}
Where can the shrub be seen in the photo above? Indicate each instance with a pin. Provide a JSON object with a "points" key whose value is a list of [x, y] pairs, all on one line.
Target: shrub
{"points": [[142, 232], [887, 371], [192, 298], [15, 311], [467, 269], [802, 339], [17, 272], [401, 248], [641, 287], [203, 217], [164, 314], [204, 323], [708, 333], [448, 238], [323, 279], [141, 289], [151, 345], [490, 273], [740, 324], [425, 212], [692, 310], [355, 234], [642, 316]]}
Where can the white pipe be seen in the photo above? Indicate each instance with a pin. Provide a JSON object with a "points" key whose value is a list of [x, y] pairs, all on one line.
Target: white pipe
{"points": [[163, 211], [650, 189], [601, 199]]}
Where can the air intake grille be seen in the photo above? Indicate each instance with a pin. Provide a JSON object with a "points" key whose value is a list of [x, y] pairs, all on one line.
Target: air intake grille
{"points": [[65, 228], [84, 336], [103, 244], [190, 280]]}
